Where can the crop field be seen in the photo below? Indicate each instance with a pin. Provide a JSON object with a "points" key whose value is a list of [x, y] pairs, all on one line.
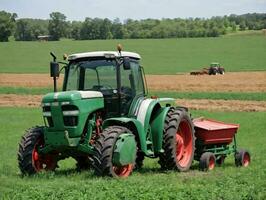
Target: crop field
{"points": [[239, 96], [226, 182], [160, 56]]}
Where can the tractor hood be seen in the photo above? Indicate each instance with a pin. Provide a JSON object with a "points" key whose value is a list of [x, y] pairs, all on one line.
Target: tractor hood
{"points": [[71, 96], [69, 111]]}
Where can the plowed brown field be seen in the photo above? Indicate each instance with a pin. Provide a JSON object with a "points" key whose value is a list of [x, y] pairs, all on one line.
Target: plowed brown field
{"points": [[234, 81], [13, 100]]}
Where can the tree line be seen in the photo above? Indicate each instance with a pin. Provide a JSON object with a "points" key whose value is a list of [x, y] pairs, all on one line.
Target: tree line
{"points": [[95, 28]]}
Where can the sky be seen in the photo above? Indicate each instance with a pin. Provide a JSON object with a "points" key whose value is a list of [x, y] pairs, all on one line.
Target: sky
{"points": [[134, 9]]}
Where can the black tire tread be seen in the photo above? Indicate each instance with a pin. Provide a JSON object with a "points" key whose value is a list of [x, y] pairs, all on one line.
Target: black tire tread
{"points": [[167, 160], [104, 149], [26, 147], [239, 157], [204, 161]]}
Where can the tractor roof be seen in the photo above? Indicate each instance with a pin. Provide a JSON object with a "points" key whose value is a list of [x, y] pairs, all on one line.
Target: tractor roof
{"points": [[102, 54]]}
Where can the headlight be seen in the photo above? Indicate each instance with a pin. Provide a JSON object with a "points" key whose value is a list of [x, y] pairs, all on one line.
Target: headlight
{"points": [[45, 104], [71, 113], [47, 114], [65, 103]]}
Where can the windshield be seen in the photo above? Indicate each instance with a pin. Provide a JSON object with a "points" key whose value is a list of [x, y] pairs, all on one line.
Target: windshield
{"points": [[91, 75], [100, 75]]}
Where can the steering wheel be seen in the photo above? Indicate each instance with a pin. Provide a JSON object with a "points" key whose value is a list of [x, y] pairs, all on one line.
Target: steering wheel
{"points": [[126, 92], [106, 86]]}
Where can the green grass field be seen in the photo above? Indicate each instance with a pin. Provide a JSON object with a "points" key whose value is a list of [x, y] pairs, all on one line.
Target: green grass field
{"points": [[24, 90], [227, 182], [159, 56], [256, 96], [252, 96]]}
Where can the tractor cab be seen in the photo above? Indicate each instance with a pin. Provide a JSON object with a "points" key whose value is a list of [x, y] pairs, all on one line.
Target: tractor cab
{"points": [[215, 68], [117, 75], [215, 64]]}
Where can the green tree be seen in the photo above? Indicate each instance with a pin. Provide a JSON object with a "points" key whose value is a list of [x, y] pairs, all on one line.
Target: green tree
{"points": [[85, 30], [30, 29], [7, 25], [75, 30], [57, 25], [23, 30], [242, 26], [233, 25], [118, 30], [105, 29]]}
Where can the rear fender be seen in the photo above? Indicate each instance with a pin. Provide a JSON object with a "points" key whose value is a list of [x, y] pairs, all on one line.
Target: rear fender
{"points": [[157, 127], [151, 114], [149, 107]]}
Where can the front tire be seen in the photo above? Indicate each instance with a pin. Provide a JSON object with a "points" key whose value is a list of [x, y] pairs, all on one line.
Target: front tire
{"points": [[178, 141], [104, 149], [29, 160]]}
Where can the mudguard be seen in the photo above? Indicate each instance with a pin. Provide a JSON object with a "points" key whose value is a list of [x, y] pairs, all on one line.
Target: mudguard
{"points": [[157, 126], [150, 115], [147, 109], [124, 121]]}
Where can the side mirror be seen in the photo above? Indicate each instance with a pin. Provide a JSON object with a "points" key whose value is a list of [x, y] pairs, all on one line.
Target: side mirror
{"points": [[54, 69], [126, 63]]}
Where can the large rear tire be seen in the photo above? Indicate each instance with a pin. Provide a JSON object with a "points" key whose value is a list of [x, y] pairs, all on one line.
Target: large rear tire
{"points": [[178, 141], [29, 160], [104, 148]]}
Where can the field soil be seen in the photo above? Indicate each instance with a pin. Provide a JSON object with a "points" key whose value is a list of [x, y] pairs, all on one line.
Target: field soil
{"points": [[230, 82], [222, 105], [12, 100]]}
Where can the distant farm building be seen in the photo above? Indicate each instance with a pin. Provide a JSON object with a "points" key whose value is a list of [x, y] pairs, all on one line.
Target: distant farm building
{"points": [[44, 37]]}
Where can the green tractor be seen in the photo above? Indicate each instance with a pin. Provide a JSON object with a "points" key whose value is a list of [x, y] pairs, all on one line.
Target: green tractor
{"points": [[104, 120], [215, 68]]}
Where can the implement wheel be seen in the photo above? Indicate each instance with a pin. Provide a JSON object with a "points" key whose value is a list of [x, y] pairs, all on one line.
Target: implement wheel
{"points": [[242, 158], [104, 151], [207, 161], [178, 141], [29, 160], [220, 160]]}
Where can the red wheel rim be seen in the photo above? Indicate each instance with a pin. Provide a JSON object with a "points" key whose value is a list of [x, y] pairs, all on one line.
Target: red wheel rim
{"points": [[211, 163], [246, 160], [42, 162], [123, 171], [184, 144]]}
